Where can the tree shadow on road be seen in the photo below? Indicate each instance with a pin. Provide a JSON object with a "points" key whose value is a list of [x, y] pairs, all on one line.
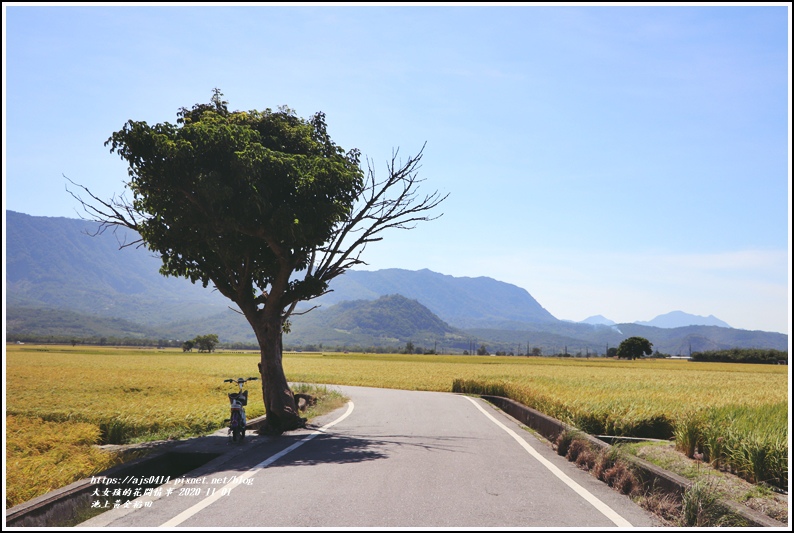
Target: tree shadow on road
{"points": [[339, 449]]}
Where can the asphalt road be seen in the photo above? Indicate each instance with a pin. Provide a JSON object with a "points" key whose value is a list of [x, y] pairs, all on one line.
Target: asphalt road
{"points": [[392, 459]]}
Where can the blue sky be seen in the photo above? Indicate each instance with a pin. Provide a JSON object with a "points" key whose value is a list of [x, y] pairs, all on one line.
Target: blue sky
{"points": [[621, 161]]}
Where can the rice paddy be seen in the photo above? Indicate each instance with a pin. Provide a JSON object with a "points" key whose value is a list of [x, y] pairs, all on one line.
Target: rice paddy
{"points": [[62, 399]]}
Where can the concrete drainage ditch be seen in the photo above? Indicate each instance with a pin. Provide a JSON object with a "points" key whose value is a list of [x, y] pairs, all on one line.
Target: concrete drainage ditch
{"points": [[73, 504], [77, 502]]}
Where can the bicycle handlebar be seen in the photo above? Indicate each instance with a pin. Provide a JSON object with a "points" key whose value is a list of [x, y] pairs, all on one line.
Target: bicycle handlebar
{"points": [[240, 380]]}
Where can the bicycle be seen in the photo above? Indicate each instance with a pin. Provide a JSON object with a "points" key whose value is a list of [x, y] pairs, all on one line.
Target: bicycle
{"points": [[238, 401]]}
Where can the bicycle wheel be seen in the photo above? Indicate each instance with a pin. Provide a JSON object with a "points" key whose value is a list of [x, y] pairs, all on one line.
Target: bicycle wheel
{"points": [[236, 426]]}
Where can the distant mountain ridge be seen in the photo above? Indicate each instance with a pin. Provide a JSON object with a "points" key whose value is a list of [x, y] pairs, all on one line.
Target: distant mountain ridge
{"points": [[55, 263], [387, 321], [598, 319], [673, 319], [678, 319], [100, 290], [461, 301]]}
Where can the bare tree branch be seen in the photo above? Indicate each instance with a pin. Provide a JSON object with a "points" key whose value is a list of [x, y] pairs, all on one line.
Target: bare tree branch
{"points": [[394, 202], [291, 311], [117, 212]]}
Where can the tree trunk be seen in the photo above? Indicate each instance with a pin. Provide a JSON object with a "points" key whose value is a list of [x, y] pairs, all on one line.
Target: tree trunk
{"points": [[280, 407]]}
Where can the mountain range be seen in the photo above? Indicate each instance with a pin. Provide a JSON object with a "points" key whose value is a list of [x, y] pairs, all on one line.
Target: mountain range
{"points": [[673, 319], [66, 277]]}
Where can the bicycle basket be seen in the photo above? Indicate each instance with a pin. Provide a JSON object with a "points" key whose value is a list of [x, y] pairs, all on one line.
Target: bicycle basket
{"points": [[239, 397]]}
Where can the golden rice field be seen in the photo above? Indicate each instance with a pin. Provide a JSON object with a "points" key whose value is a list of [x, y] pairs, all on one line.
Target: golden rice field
{"points": [[60, 399]]}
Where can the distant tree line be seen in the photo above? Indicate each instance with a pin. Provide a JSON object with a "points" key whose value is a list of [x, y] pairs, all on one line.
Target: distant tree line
{"points": [[202, 343], [93, 341], [209, 343], [742, 355], [192, 345]]}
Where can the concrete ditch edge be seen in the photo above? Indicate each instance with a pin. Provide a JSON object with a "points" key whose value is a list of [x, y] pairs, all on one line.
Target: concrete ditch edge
{"points": [[550, 428]]}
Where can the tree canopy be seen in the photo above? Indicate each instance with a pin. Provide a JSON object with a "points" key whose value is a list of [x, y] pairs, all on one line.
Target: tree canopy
{"points": [[634, 347], [206, 343], [254, 193]]}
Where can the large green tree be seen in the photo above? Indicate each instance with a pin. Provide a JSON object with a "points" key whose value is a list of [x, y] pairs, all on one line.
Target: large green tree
{"points": [[634, 347], [264, 206], [206, 343]]}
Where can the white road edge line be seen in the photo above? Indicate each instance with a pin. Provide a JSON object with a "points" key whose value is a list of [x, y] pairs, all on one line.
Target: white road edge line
{"points": [[581, 491], [209, 500]]}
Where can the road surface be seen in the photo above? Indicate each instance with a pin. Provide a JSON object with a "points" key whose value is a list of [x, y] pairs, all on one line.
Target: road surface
{"points": [[390, 458]]}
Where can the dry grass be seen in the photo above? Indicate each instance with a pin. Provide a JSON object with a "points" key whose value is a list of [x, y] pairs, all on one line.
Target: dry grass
{"points": [[665, 506], [622, 479]]}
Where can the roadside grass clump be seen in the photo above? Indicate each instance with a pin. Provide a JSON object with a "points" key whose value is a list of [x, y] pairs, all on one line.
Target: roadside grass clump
{"points": [[576, 448], [586, 459], [758, 491], [621, 477], [663, 504], [605, 463], [701, 508], [564, 440]]}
